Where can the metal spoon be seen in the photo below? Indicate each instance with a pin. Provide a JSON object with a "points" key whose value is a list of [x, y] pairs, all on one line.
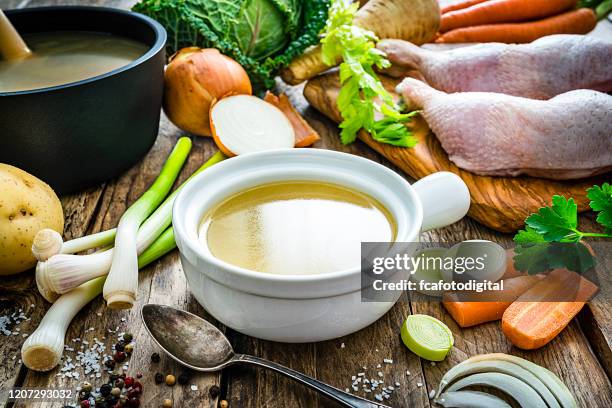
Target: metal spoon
{"points": [[197, 344]]}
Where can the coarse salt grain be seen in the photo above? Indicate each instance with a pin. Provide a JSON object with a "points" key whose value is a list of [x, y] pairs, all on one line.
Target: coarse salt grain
{"points": [[432, 394], [388, 361], [194, 387]]}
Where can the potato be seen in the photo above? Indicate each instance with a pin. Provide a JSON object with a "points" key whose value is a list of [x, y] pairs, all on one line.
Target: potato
{"points": [[27, 205]]}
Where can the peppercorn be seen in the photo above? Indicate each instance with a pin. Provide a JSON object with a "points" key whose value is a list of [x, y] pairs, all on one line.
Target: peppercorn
{"points": [[159, 378], [119, 356], [127, 337], [86, 386], [116, 392], [119, 346], [119, 383], [129, 348], [85, 404], [167, 403], [213, 391], [105, 389], [113, 376], [110, 364], [224, 404], [129, 381], [138, 375], [133, 402], [100, 401], [155, 358], [134, 393], [137, 386], [170, 380], [83, 395], [183, 378]]}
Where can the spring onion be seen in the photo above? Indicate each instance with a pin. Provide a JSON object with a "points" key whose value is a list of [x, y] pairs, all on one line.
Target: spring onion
{"points": [[122, 281], [48, 242], [63, 272], [43, 349]]}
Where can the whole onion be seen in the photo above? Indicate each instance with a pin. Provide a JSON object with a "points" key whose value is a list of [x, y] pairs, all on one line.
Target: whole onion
{"points": [[193, 79]]}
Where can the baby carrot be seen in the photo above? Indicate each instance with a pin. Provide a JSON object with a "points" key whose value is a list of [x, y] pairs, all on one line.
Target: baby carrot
{"points": [[503, 11], [579, 21]]}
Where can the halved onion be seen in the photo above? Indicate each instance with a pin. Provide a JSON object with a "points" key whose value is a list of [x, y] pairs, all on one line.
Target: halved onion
{"points": [[245, 124]]}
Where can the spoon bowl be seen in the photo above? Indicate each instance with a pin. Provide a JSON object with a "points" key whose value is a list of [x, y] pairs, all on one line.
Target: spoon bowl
{"points": [[199, 345], [174, 331]]}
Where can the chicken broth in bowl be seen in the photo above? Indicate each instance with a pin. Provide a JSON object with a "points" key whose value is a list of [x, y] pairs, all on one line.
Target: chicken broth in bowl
{"points": [[295, 228]]}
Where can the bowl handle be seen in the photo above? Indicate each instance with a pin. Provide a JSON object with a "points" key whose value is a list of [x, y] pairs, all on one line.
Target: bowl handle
{"points": [[445, 199]]}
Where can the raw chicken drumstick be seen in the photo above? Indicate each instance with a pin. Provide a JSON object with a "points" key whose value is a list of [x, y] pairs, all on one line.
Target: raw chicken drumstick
{"points": [[566, 137], [545, 68]]}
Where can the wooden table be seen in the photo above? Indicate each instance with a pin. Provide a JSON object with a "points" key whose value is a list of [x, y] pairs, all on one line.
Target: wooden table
{"points": [[580, 355]]}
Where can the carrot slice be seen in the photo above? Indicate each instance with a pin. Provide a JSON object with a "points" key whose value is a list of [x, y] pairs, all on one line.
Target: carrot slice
{"points": [[538, 316], [472, 308], [305, 135]]}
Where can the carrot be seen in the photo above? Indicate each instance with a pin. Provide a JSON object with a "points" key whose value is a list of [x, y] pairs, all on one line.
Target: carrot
{"points": [[538, 315], [579, 21], [305, 135], [460, 5], [503, 11], [486, 306]]}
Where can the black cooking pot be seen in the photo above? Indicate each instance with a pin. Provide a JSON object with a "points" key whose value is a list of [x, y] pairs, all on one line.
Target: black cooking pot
{"points": [[77, 135]]}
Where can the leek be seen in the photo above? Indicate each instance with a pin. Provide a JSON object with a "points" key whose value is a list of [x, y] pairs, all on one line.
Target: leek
{"points": [[48, 242], [43, 349], [63, 272], [122, 281]]}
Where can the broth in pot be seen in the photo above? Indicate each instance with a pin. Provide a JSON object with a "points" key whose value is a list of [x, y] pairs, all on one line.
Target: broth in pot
{"points": [[63, 57]]}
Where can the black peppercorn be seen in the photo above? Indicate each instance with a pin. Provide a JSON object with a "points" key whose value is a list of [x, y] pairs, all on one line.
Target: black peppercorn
{"points": [[105, 389], [155, 358], [183, 378], [159, 378], [119, 383], [127, 337], [83, 395], [119, 346], [113, 376], [213, 391], [110, 364]]}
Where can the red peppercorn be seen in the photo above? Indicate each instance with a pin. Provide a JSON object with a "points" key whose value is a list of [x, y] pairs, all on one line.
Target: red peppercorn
{"points": [[134, 393], [138, 384], [134, 402], [119, 356], [85, 404], [129, 381]]}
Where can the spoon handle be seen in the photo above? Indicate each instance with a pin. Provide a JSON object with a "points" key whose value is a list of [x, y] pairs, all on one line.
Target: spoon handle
{"points": [[341, 397]]}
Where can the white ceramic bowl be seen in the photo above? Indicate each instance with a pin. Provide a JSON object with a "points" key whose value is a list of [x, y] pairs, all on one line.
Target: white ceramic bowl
{"points": [[302, 308]]}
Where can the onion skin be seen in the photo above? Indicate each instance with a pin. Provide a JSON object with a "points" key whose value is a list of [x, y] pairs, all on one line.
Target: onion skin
{"points": [[193, 79]]}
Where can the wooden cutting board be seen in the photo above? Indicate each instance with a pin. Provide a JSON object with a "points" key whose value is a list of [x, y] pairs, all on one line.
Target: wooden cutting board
{"points": [[501, 203]]}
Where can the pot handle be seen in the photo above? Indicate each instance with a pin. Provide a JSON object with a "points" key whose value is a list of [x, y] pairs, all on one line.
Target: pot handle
{"points": [[445, 199]]}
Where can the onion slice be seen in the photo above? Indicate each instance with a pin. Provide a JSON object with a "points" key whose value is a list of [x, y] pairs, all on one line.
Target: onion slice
{"points": [[246, 124]]}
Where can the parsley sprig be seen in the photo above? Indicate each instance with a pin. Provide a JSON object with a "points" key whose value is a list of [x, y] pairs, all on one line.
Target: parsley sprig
{"points": [[551, 238], [362, 95]]}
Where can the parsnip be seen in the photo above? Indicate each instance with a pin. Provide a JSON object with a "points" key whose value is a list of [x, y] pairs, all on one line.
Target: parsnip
{"points": [[416, 21]]}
